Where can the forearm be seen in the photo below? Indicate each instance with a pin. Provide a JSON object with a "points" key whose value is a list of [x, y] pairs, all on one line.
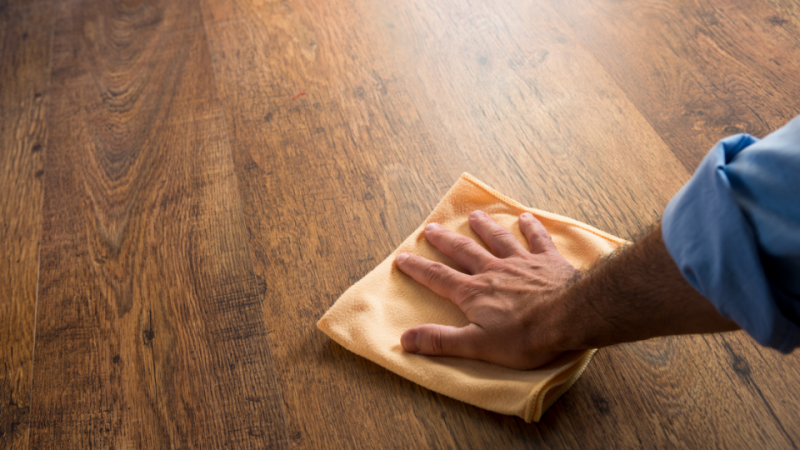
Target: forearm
{"points": [[634, 295]]}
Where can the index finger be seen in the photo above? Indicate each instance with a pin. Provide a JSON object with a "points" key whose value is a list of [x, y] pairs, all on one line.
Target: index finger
{"points": [[436, 276]]}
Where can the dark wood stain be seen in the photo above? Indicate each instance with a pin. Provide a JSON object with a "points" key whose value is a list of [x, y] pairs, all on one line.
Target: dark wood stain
{"points": [[195, 221], [146, 290], [24, 75]]}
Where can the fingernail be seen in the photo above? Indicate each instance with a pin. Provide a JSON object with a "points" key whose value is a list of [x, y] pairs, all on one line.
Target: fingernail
{"points": [[410, 343], [527, 215], [477, 214], [431, 226], [402, 257]]}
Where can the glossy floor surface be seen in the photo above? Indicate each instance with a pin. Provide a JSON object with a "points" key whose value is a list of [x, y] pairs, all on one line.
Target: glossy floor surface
{"points": [[188, 185]]}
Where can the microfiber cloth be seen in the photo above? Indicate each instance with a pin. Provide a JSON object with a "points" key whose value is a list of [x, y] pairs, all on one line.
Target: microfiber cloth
{"points": [[369, 318]]}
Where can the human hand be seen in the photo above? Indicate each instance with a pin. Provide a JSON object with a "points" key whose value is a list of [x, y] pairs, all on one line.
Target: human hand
{"points": [[509, 295]]}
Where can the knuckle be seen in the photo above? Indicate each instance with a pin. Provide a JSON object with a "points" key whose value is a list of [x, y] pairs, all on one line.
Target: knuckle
{"points": [[503, 237], [499, 233], [491, 286], [495, 265], [435, 271], [470, 290], [462, 244], [437, 341]]}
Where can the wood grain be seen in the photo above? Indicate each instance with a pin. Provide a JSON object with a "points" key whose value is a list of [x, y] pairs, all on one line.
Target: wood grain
{"points": [[25, 38], [149, 332], [217, 171], [533, 112], [697, 70], [400, 98]]}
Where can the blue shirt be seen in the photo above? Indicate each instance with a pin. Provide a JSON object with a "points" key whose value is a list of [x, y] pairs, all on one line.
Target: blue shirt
{"points": [[734, 232]]}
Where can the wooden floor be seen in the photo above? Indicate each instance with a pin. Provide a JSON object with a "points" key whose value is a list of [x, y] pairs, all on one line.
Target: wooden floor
{"points": [[187, 186]]}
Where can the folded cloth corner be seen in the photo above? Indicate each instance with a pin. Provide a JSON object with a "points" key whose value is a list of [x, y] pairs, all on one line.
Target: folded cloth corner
{"points": [[369, 318]]}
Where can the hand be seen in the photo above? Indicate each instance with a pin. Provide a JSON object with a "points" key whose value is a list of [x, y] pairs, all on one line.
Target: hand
{"points": [[508, 295]]}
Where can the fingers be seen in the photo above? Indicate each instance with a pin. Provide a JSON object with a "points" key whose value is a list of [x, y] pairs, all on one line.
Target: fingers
{"points": [[461, 249], [436, 276], [499, 238], [538, 237], [442, 340]]}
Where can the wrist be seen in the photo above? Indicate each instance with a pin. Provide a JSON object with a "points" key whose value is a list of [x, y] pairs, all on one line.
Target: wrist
{"points": [[583, 319], [567, 320]]}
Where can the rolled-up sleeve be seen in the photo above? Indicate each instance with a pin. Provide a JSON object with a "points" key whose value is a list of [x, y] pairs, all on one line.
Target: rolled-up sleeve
{"points": [[734, 232]]}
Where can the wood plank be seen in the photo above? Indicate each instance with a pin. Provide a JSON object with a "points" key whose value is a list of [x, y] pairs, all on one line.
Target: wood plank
{"points": [[400, 97], [25, 40], [698, 71], [149, 330], [311, 173]]}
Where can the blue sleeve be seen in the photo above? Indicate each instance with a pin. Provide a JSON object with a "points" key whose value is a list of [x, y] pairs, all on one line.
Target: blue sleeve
{"points": [[734, 232]]}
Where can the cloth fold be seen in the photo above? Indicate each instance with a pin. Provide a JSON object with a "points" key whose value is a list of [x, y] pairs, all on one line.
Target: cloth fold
{"points": [[369, 318]]}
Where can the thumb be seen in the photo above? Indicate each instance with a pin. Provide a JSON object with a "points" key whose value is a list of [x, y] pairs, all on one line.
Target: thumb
{"points": [[441, 340]]}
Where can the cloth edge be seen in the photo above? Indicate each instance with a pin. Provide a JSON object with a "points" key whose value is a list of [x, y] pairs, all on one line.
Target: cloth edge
{"points": [[537, 405], [538, 212]]}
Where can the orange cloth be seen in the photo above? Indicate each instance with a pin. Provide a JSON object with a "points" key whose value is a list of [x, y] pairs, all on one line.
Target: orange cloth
{"points": [[369, 318]]}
